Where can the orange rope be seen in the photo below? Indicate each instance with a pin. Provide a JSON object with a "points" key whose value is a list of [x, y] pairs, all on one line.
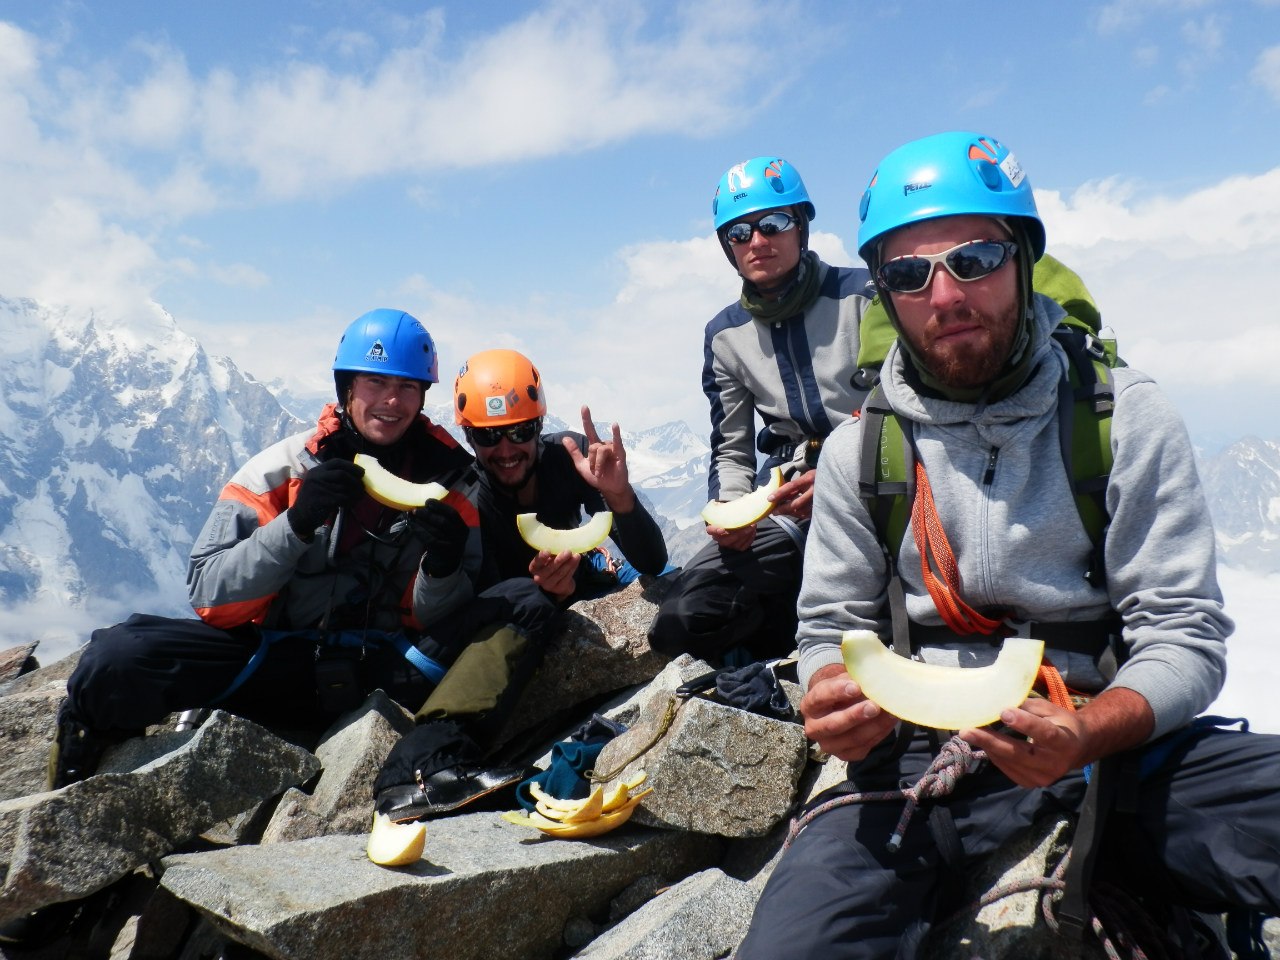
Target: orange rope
{"points": [[931, 541], [1055, 686]]}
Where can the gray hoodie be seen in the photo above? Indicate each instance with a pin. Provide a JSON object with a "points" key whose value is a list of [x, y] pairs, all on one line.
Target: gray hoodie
{"points": [[1018, 539]]}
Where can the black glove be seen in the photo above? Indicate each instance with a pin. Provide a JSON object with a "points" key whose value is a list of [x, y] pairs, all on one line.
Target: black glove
{"points": [[444, 534], [325, 488]]}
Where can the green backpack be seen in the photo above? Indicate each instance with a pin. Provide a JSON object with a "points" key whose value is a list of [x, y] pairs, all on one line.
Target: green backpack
{"points": [[1086, 398]]}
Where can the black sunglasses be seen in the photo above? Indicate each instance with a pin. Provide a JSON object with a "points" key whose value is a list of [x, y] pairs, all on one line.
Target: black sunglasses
{"points": [[521, 432], [768, 225], [967, 261]]}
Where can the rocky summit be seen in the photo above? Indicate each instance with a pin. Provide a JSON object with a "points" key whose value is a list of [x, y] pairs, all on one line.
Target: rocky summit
{"points": [[232, 841]]}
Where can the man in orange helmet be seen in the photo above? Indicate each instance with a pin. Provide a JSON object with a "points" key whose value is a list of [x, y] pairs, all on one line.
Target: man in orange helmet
{"points": [[497, 641]]}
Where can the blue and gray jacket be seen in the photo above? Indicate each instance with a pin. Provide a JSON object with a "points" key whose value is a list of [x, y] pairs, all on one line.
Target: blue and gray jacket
{"points": [[796, 373]]}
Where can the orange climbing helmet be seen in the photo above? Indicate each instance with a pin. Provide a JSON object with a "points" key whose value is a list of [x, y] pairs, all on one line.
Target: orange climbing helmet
{"points": [[498, 387]]}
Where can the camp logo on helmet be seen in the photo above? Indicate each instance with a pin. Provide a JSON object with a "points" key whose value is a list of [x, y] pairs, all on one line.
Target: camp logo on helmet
{"points": [[377, 353], [495, 406]]}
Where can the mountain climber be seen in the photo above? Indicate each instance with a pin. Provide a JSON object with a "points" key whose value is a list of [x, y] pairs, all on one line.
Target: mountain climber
{"points": [[307, 589], [950, 231], [500, 402], [783, 352]]}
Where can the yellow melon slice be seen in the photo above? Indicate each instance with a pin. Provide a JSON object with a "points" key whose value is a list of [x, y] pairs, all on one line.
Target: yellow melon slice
{"points": [[570, 811], [392, 491], [948, 698], [579, 540], [745, 510], [394, 844]]}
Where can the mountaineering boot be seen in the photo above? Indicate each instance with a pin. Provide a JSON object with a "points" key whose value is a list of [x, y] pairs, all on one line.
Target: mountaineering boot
{"points": [[75, 752], [447, 790]]}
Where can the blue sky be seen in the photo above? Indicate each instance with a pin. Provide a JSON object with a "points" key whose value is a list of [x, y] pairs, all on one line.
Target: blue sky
{"points": [[539, 175]]}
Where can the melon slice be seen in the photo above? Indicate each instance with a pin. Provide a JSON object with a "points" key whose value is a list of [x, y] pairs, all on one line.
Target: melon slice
{"points": [[580, 830], [747, 509], [579, 540], [948, 698], [394, 844], [392, 491]]}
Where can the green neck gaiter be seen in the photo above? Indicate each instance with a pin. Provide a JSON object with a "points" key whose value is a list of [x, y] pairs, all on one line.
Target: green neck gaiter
{"points": [[798, 297]]}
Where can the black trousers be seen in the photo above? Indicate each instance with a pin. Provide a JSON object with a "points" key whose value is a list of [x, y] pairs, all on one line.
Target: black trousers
{"points": [[728, 598], [137, 672], [1207, 829]]}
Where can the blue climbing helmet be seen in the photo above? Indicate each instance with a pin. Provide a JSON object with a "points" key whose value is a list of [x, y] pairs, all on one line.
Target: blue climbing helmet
{"points": [[948, 174], [389, 342], [764, 183]]}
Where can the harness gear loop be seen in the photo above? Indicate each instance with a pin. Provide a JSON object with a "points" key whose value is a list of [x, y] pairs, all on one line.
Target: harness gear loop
{"points": [[932, 543]]}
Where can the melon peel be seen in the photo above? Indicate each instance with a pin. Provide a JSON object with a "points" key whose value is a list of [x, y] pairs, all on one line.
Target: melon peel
{"points": [[579, 540], [931, 695], [589, 816], [392, 491], [394, 844], [746, 509]]}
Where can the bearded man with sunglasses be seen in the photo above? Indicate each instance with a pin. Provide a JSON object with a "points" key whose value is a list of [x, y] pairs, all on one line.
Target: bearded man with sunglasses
{"points": [[951, 233], [498, 638], [780, 360]]}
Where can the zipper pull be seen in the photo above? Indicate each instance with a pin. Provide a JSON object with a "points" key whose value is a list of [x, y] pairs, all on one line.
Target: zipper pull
{"points": [[990, 473]]}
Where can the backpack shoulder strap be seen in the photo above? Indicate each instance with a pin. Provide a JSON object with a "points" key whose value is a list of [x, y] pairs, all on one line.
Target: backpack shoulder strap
{"points": [[886, 485], [1086, 400]]}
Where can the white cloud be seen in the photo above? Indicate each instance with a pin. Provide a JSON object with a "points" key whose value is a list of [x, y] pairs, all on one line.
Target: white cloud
{"points": [[571, 77], [1121, 15], [1184, 280], [96, 162], [1204, 44], [239, 275], [1266, 71]]}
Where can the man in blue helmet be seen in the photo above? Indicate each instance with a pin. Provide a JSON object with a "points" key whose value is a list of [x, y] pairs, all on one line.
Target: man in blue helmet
{"points": [[951, 233], [780, 360], [309, 592]]}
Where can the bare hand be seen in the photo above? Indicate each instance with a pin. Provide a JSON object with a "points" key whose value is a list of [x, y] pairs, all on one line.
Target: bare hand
{"points": [[839, 719], [605, 465], [1058, 740], [1053, 744], [795, 497], [554, 572], [737, 539]]}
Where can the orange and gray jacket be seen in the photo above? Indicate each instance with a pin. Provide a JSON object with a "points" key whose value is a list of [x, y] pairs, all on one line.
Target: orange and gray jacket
{"points": [[249, 566]]}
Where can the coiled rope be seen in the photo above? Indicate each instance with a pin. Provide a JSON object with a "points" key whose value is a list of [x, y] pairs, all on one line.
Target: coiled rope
{"points": [[955, 759]]}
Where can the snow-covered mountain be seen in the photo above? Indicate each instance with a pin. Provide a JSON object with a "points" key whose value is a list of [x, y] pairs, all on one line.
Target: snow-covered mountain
{"points": [[1242, 484], [116, 434]]}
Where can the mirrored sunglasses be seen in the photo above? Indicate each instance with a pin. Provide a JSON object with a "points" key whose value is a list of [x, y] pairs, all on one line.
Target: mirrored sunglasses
{"points": [[768, 225], [967, 261], [521, 432]]}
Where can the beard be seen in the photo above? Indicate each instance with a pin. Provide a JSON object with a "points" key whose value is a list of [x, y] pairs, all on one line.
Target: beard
{"points": [[974, 360]]}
